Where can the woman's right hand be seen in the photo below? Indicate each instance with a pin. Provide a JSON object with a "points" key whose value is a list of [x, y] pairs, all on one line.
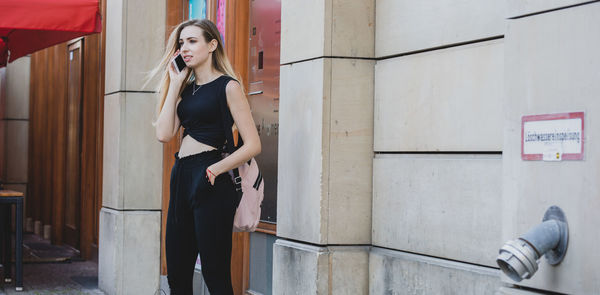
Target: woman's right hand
{"points": [[177, 78]]}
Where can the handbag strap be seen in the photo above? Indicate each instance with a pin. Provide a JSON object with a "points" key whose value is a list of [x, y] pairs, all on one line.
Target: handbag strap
{"points": [[229, 140]]}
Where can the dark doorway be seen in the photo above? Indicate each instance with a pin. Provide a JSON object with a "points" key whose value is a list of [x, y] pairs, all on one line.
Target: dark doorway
{"points": [[72, 206]]}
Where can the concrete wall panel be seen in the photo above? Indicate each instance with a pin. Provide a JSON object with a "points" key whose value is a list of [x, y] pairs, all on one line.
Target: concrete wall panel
{"points": [[303, 33], [305, 269], [317, 28], [439, 205], [132, 155], [404, 26], [132, 50], [394, 272], [353, 28], [303, 142], [141, 251], [129, 260], [522, 7], [115, 46], [16, 150], [326, 128], [111, 171], [300, 268], [350, 152], [349, 270], [17, 79], [110, 278], [145, 43], [552, 66], [446, 100], [141, 164]]}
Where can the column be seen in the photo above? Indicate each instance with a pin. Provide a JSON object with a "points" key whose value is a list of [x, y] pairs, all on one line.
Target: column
{"points": [[14, 124], [325, 147], [129, 250]]}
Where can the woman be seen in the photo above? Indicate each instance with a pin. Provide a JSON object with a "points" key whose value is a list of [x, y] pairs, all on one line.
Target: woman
{"points": [[203, 198]]}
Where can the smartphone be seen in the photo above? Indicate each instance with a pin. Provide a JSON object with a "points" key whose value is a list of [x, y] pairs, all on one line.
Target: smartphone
{"points": [[178, 63]]}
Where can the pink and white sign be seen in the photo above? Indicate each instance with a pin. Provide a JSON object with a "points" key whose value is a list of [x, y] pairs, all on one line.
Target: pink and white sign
{"points": [[552, 137]]}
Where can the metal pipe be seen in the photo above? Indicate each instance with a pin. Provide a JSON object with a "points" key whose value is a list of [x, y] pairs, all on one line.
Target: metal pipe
{"points": [[518, 259], [543, 237]]}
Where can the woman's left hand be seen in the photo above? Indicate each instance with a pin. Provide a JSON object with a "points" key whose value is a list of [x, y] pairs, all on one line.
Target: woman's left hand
{"points": [[211, 174]]}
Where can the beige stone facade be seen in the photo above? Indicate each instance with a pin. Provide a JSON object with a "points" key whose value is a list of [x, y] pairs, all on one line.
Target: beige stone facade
{"points": [[129, 250], [14, 124], [399, 169], [395, 122]]}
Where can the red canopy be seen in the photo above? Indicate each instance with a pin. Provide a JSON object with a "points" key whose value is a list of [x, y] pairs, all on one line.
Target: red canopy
{"points": [[27, 26]]}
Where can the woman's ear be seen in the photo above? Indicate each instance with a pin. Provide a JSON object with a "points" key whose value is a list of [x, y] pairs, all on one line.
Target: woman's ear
{"points": [[213, 45]]}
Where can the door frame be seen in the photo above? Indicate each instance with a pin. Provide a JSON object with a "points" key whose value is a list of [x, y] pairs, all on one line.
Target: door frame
{"points": [[236, 39], [237, 26], [76, 242]]}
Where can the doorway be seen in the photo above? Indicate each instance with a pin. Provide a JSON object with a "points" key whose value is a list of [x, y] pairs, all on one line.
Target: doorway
{"points": [[66, 136], [72, 205]]}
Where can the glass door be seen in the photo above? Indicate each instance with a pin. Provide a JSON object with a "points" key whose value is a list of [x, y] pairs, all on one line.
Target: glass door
{"points": [[263, 93]]}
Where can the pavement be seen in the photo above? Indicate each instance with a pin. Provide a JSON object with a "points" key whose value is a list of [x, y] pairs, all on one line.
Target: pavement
{"points": [[77, 277], [51, 269]]}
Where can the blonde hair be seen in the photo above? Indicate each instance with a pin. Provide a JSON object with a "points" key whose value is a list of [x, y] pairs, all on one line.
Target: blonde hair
{"points": [[220, 62]]}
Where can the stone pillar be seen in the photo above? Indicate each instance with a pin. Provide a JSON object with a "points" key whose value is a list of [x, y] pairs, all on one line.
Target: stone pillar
{"points": [[129, 250], [14, 125], [325, 147]]}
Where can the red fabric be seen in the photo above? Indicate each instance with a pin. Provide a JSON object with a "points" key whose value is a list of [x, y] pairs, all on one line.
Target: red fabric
{"points": [[27, 26]]}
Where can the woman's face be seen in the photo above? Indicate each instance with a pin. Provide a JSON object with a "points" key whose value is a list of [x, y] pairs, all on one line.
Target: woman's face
{"points": [[193, 48]]}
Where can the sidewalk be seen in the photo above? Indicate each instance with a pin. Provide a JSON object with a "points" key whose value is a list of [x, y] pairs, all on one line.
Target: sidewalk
{"points": [[50, 269], [79, 277]]}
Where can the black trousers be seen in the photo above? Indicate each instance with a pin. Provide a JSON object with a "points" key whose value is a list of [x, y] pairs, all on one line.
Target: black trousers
{"points": [[200, 219]]}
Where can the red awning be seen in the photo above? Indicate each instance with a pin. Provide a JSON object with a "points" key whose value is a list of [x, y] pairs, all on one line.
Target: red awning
{"points": [[27, 26]]}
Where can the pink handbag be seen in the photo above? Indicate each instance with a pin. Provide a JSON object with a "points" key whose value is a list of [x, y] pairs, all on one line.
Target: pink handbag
{"points": [[249, 184], [247, 214], [248, 181]]}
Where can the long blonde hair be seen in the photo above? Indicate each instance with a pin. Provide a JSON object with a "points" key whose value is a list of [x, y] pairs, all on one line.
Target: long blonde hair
{"points": [[220, 62]]}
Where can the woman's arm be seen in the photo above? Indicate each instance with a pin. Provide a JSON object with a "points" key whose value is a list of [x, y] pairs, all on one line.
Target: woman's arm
{"points": [[167, 123], [240, 110]]}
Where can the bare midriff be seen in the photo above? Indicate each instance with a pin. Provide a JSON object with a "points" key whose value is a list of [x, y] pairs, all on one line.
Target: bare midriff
{"points": [[190, 146]]}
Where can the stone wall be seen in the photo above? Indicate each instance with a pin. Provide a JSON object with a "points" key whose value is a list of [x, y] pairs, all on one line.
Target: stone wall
{"points": [[325, 147], [437, 141], [129, 250], [552, 64], [14, 124]]}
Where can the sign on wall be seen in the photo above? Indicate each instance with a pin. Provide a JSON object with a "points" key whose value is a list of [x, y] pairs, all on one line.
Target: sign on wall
{"points": [[552, 137]]}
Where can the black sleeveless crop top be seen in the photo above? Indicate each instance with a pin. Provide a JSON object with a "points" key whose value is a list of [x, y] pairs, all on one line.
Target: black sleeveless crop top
{"points": [[200, 112]]}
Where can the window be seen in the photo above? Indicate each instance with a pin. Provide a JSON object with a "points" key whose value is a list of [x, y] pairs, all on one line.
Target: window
{"points": [[197, 9]]}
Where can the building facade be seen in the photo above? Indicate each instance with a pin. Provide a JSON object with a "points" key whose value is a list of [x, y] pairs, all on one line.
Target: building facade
{"points": [[392, 131], [400, 163]]}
